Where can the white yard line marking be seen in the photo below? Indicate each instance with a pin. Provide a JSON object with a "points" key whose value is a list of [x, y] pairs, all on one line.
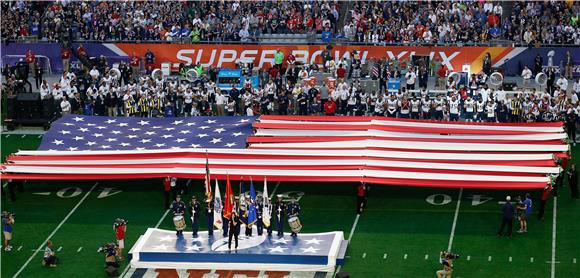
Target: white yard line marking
{"points": [[552, 262], [405, 257], [531, 259], [59, 248], [4, 185], [349, 237], [489, 259], [364, 255], [79, 250], [128, 266], [55, 230], [510, 259], [469, 258], [553, 268], [23, 135], [20, 248], [42, 193], [574, 261], [39, 136], [8, 135], [385, 256], [455, 220], [426, 256]]}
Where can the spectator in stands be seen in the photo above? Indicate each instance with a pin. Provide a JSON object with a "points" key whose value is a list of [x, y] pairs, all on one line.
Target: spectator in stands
{"points": [[526, 76]]}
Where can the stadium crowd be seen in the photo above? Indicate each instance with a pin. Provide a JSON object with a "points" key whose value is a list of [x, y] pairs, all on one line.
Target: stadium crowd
{"points": [[440, 22], [169, 20], [377, 22]]}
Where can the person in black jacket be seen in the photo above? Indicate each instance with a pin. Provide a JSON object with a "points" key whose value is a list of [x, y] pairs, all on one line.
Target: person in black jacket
{"points": [[194, 211], [573, 181], [507, 217], [234, 230], [111, 103]]}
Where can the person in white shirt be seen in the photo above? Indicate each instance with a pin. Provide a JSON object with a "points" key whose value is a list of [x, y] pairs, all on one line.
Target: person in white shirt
{"points": [[65, 106], [562, 83], [527, 76], [220, 102], [45, 90], [57, 93], [576, 86], [410, 77], [94, 73]]}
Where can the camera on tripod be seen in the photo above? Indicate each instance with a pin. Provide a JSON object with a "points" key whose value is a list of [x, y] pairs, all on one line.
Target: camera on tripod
{"points": [[107, 247]]}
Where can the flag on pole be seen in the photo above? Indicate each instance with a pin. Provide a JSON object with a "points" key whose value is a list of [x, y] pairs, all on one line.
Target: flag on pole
{"points": [[207, 178], [217, 208], [266, 205], [229, 203], [242, 207], [252, 212]]}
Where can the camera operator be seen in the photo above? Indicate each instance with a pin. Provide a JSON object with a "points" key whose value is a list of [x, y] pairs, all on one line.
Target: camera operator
{"points": [[49, 258], [446, 260], [111, 252]]}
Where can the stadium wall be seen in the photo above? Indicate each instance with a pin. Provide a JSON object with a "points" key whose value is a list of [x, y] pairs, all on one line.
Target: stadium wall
{"points": [[512, 59]]}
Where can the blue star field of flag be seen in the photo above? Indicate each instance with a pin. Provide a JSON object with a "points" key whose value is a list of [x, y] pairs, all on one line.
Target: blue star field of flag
{"points": [[95, 133]]}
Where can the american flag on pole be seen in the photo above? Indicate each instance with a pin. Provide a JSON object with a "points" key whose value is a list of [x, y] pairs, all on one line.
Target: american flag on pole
{"points": [[295, 148]]}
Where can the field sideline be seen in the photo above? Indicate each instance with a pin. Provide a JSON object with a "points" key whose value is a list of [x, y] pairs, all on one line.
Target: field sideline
{"points": [[400, 234]]}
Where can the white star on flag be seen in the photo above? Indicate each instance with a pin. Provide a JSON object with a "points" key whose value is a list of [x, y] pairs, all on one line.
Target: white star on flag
{"points": [[110, 121], [159, 145], [179, 140], [157, 127], [91, 124], [150, 132], [90, 143], [230, 144], [139, 148], [309, 250], [134, 129], [111, 139], [176, 122], [278, 249], [58, 142], [195, 146], [201, 135], [216, 140], [185, 132], [313, 241], [82, 129], [204, 127], [123, 124], [167, 136], [125, 144], [76, 138], [170, 128], [105, 147], [68, 124], [236, 134], [132, 136], [78, 119], [98, 135], [219, 130], [142, 123], [145, 141], [116, 132], [244, 120], [190, 124], [73, 148], [210, 121], [64, 132], [100, 127]]}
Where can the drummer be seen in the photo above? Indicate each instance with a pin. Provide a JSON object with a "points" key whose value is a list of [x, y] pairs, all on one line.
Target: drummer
{"points": [[194, 211], [293, 210], [178, 209], [279, 210]]}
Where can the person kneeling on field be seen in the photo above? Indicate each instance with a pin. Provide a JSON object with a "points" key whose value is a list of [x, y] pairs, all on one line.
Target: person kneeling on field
{"points": [[111, 251], [446, 259], [49, 258]]}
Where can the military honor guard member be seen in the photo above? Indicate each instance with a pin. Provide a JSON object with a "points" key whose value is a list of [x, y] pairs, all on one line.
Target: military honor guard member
{"points": [[259, 212], [293, 212], [280, 210], [178, 210], [248, 231], [209, 214], [194, 211]]}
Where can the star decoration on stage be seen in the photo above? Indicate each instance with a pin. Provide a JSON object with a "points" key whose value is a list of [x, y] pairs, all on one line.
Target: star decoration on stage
{"points": [[167, 238], [313, 241], [277, 249], [161, 247], [280, 240], [309, 250], [192, 248]]}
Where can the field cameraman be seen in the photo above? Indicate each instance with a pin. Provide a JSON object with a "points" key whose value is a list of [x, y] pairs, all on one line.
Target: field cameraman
{"points": [[446, 260]]}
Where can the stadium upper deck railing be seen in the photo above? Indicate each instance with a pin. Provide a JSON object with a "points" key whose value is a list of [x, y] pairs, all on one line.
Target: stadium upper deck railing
{"points": [[317, 41]]}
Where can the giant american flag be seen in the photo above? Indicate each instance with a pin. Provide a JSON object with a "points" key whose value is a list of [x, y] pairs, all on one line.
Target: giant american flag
{"points": [[298, 148]]}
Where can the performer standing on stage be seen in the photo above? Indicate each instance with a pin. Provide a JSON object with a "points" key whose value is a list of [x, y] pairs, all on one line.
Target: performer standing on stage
{"points": [[293, 210], [195, 211], [209, 214], [178, 209], [234, 230], [280, 210]]}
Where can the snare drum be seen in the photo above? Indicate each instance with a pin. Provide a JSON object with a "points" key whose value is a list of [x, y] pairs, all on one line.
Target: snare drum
{"points": [[294, 223], [179, 222]]}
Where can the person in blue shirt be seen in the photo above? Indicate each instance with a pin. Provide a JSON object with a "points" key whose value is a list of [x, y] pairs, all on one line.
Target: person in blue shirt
{"points": [[495, 32], [326, 36], [507, 217], [178, 209], [7, 222], [526, 207]]}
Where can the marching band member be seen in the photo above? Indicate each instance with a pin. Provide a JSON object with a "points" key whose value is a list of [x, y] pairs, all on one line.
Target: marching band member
{"points": [[280, 209], [194, 210], [293, 209], [178, 209]]}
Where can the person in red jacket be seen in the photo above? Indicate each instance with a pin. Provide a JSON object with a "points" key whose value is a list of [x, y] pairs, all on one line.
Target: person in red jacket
{"points": [[135, 62], [543, 200], [361, 192], [441, 76], [329, 107], [65, 54], [340, 72], [120, 228], [31, 60]]}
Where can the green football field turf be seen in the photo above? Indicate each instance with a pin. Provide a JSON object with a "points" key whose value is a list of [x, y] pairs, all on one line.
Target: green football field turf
{"points": [[400, 233]]}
